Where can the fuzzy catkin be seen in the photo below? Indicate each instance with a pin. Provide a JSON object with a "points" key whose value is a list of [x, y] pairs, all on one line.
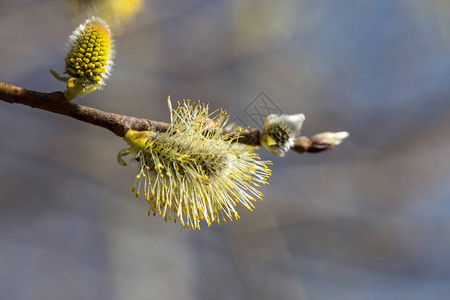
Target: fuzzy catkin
{"points": [[91, 52], [193, 171]]}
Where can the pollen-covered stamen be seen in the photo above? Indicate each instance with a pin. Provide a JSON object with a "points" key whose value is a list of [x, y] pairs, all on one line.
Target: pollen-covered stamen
{"points": [[192, 172]]}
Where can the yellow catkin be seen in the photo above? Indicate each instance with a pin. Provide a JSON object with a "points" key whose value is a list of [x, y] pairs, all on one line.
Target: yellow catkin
{"points": [[115, 12], [91, 51], [193, 171]]}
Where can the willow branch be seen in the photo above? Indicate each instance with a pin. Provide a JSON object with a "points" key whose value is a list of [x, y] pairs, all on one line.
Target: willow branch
{"points": [[119, 124], [56, 103]]}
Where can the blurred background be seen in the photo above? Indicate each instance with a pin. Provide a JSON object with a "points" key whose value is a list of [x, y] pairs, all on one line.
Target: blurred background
{"points": [[368, 220]]}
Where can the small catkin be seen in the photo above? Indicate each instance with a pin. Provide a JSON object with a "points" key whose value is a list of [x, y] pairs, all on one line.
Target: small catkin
{"points": [[91, 52]]}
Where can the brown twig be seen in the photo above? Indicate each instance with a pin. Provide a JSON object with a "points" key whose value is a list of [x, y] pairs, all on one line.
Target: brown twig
{"points": [[119, 124]]}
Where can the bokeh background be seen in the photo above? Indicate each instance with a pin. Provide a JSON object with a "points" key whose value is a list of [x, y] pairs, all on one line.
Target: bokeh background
{"points": [[368, 220]]}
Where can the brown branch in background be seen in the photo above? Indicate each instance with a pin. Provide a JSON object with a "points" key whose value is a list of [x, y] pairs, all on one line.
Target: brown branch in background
{"points": [[119, 124]]}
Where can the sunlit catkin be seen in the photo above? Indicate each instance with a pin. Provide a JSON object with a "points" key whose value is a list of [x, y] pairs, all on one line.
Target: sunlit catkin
{"points": [[193, 171], [91, 50], [89, 60], [116, 12]]}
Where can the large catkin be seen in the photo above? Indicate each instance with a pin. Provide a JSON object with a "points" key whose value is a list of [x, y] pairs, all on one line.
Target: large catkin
{"points": [[194, 172]]}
